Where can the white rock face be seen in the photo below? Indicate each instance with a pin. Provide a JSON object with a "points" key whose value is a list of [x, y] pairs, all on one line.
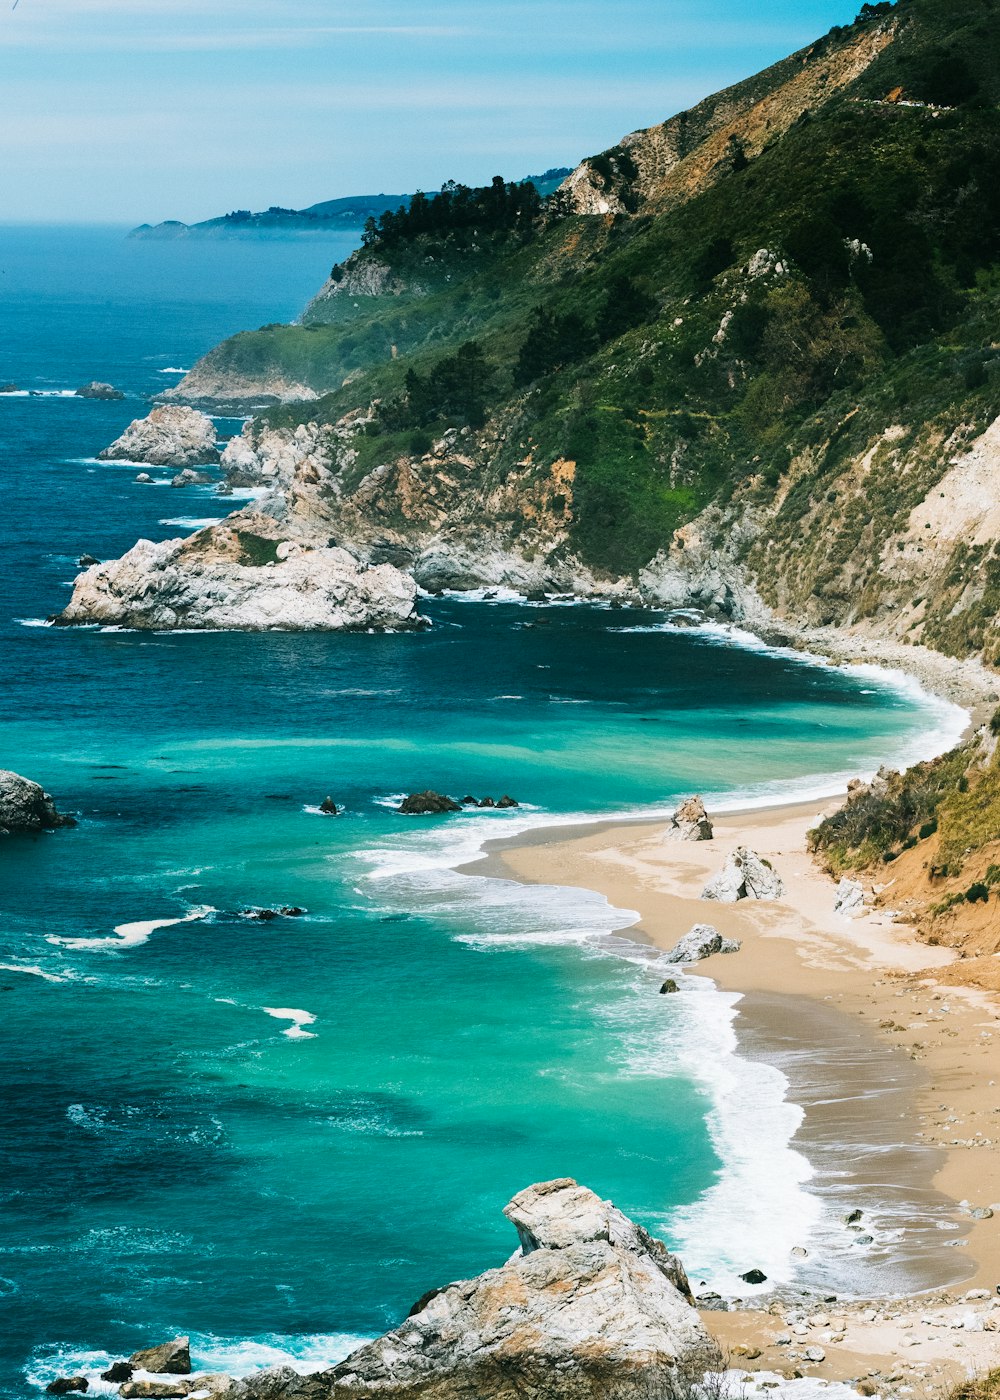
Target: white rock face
{"points": [[169, 437], [220, 579], [850, 898], [690, 821], [744, 876], [703, 941], [591, 1307]]}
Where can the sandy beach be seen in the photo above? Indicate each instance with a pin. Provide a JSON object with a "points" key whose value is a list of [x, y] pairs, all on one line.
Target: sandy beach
{"points": [[897, 1071]]}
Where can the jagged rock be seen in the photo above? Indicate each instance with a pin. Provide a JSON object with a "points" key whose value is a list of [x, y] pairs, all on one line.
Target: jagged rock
{"points": [[25, 806], [86, 560], [506, 802], [67, 1385], [328, 807], [669, 986], [420, 804], [96, 390], [117, 1372], [169, 437], [590, 1307], [745, 875], [155, 1390], [486, 802], [189, 477], [690, 821], [754, 1276], [850, 898], [701, 942], [167, 1359], [470, 801], [221, 578]]}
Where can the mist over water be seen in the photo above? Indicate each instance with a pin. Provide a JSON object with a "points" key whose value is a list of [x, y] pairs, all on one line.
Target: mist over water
{"points": [[276, 1135]]}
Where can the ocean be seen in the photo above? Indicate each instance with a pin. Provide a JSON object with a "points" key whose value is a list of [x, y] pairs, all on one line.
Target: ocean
{"points": [[276, 1134]]}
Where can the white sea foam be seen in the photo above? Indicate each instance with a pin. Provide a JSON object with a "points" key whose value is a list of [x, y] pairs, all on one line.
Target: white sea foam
{"points": [[240, 1356], [173, 369], [32, 971], [135, 934], [34, 621], [188, 522], [485, 595], [298, 1018]]}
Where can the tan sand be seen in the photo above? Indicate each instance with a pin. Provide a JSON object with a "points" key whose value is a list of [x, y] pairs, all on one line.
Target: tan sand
{"points": [[861, 997]]}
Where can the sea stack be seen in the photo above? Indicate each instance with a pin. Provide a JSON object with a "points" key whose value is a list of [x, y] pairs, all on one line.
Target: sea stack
{"points": [[26, 806]]}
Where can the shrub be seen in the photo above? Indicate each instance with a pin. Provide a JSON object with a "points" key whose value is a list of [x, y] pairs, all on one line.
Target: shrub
{"points": [[977, 892]]}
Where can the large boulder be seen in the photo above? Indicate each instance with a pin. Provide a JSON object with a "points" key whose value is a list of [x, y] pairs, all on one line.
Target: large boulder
{"points": [[701, 942], [590, 1307], [228, 579], [172, 436], [167, 1359], [690, 821], [849, 899], [429, 803], [745, 875], [24, 806]]}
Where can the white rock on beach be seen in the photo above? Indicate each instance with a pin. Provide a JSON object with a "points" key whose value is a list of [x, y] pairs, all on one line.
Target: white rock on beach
{"points": [[850, 898], [172, 436], [745, 875], [690, 821], [227, 579], [590, 1307], [701, 942]]}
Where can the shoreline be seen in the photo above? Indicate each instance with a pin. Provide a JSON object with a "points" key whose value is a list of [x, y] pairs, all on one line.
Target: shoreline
{"points": [[870, 1042]]}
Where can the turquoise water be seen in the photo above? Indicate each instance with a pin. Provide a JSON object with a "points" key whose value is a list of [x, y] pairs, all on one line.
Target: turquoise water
{"points": [[178, 1157]]}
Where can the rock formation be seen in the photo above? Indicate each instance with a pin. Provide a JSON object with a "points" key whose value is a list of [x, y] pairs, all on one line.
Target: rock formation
{"points": [[590, 1307], [850, 898], [701, 942], [96, 390], [242, 582], [429, 803], [745, 875], [690, 821], [168, 1359], [24, 806], [170, 437]]}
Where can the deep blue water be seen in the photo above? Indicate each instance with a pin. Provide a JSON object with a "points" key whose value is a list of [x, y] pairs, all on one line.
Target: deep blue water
{"points": [[172, 1159]]}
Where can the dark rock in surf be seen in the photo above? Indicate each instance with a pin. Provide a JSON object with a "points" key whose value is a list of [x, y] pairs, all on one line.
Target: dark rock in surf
{"points": [[117, 1372], [486, 802], [329, 808], [669, 986], [507, 801], [429, 803], [96, 390], [10, 389], [754, 1276], [156, 1390], [470, 802], [66, 1385], [86, 560]]}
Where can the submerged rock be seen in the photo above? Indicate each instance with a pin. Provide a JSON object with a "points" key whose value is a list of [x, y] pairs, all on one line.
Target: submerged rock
{"points": [[25, 806], [169, 437], [429, 803], [96, 390], [701, 942], [690, 821], [230, 579], [167, 1359], [590, 1307], [745, 875]]}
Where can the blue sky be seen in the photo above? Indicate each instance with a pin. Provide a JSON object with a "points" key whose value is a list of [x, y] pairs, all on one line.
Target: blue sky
{"points": [[129, 110]]}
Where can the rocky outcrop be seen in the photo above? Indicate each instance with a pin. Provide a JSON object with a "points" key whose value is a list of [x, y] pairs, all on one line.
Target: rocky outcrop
{"points": [[168, 1359], [429, 803], [26, 807], [97, 390], [745, 875], [703, 941], [690, 821], [240, 581], [590, 1307], [169, 437]]}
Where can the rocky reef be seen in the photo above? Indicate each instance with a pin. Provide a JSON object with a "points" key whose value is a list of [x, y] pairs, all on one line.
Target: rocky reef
{"points": [[590, 1307], [26, 806], [171, 436], [240, 581]]}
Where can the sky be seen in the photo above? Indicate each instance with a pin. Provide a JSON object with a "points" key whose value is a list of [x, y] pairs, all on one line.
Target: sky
{"points": [[127, 111]]}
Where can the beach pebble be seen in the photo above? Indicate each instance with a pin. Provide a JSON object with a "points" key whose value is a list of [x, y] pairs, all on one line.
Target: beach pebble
{"points": [[815, 1354]]}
